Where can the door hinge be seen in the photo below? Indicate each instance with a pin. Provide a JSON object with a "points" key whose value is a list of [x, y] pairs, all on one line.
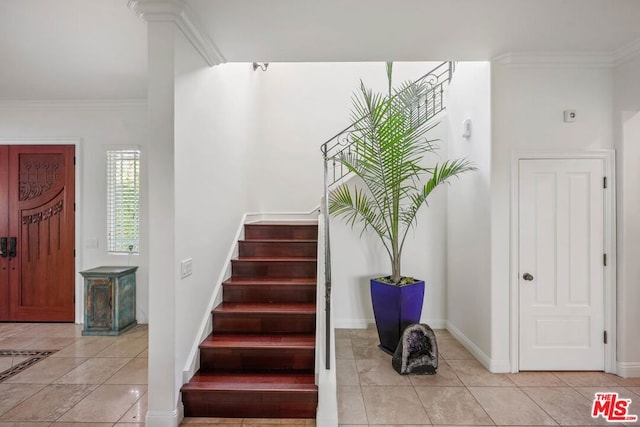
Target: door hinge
{"points": [[605, 337], [604, 182], [74, 207], [74, 299], [74, 253], [604, 259], [74, 160]]}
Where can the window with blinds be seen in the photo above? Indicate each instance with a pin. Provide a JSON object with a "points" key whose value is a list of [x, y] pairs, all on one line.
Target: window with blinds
{"points": [[123, 201]]}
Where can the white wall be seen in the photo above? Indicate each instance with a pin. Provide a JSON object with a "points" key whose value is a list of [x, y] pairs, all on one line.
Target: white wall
{"points": [[627, 144], [213, 148], [98, 125], [300, 106], [527, 105], [469, 209]]}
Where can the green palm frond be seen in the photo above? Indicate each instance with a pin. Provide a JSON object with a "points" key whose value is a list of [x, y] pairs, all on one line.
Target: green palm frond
{"points": [[389, 145]]}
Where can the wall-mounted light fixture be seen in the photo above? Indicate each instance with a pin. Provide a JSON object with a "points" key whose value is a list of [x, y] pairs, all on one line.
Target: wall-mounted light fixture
{"points": [[262, 65], [466, 128]]}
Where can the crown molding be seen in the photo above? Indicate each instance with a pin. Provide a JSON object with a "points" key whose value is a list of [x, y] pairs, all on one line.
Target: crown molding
{"points": [[180, 13], [627, 52], [556, 59], [75, 105]]}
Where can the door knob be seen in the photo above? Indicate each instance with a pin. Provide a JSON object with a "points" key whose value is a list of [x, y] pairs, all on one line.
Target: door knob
{"points": [[527, 277]]}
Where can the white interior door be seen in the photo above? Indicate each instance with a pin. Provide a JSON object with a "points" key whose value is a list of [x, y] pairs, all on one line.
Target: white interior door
{"points": [[561, 265]]}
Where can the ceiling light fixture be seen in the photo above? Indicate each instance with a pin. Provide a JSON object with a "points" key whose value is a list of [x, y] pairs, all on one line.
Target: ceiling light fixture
{"points": [[262, 65]]}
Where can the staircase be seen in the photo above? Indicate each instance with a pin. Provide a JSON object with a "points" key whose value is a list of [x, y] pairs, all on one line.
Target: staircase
{"points": [[259, 361]]}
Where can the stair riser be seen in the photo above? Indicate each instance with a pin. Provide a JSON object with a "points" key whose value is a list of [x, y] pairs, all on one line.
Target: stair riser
{"points": [[292, 232], [276, 249], [257, 360], [269, 293], [236, 404], [266, 269], [264, 323]]}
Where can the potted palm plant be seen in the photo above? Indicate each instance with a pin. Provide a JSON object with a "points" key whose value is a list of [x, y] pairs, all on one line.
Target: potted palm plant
{"points": [[389, 145]]}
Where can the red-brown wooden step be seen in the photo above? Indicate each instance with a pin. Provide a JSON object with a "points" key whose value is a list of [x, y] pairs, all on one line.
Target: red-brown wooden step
{"points": [[260, 318], [278, 248], [258, 353], [278, 290], [281, 231], [274, 267], [251, 396]]}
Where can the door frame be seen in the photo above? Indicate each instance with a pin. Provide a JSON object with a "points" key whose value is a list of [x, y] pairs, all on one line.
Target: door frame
{"points": [[609, 246], [79, 283]]}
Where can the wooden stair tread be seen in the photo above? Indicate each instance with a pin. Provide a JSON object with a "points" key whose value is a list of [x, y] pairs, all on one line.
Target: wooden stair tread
{"points": [[293, 281], [234, 307], [278, 241], [278, 259], [256, 382], [259, 341]]}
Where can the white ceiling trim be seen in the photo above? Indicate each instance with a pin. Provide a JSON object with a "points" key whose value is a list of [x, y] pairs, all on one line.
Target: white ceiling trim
{"points": [[75, 105], [556, 59], [627, 52], [178, 11]]}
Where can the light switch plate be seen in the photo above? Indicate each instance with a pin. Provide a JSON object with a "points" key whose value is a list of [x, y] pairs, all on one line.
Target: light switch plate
{"points": [[186, 268]]}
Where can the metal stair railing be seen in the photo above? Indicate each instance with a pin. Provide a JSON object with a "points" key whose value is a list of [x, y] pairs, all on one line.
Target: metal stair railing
{"points": [[334, 171]]}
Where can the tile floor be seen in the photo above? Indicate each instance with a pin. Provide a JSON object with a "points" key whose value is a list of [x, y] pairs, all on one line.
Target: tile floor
{"points": [[102, 381], [463, 392]]}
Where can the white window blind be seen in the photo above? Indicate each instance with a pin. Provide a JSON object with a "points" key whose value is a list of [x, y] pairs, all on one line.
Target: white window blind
{"points": [[123, 201]]}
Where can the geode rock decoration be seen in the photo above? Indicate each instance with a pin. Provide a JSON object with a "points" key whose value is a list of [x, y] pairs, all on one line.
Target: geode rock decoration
{"points": [[417, 351]]}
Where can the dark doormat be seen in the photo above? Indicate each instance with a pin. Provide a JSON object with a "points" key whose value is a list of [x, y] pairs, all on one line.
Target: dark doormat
{"points": [[33, 357]]}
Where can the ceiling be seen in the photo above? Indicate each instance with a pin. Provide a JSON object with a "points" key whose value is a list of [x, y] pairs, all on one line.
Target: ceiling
{"points": [[96, 49]]}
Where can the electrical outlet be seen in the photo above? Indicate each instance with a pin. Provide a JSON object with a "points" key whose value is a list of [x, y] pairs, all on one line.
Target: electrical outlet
{"points": [[186, 268]]}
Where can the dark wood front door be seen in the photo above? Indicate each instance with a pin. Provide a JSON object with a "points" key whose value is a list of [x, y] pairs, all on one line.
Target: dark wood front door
{"points": [[37, 235]]}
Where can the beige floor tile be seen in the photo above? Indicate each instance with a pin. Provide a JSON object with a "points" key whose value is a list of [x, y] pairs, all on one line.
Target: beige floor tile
{"points": [[85, 347], [24, 424], [565, 405], [393, 405], [629, 382], [5, 363], [347, 372], [94, 371], [371, 332], [35, 343], [444, 377], [351, 408], [344, 334], [379, 372], [473, 374], [12, 329], [57, 330], [144, 354], [124, 347], [107, 403], [138, 411], [536, 379], [370, 351], [63, 424], [134, 372], [452, 405], [129, 424], [13, 394], [344, 350], [451, 349], [49, 403], [46, 371], [510, 406], [588, 379]]}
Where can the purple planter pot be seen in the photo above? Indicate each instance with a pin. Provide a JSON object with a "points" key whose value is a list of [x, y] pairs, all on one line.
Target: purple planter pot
{"points": [[395, 308]]}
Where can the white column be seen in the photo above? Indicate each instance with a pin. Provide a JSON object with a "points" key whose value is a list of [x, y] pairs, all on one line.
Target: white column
{"points": [[163, 378]]}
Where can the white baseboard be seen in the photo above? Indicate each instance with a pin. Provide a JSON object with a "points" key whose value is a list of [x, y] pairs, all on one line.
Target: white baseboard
{"points": [[163, 418], [495, 366], [628, 369], [370, 323]]}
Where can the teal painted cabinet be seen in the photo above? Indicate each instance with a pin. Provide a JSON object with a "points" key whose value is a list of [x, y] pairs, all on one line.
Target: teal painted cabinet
{"points": [[110, 300]]}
